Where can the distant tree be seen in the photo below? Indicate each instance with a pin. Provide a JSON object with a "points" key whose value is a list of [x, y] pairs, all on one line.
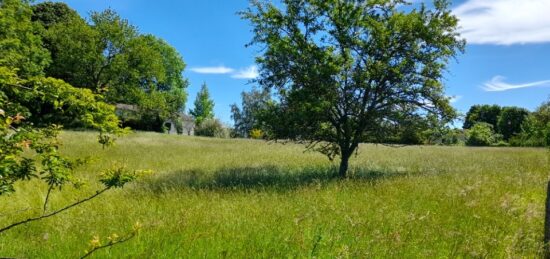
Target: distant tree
{"points": [[51, 13], [482, 113], [510, 121], [481, 134], [247, 118], [346, 70], [204, 106], [535, 129]]}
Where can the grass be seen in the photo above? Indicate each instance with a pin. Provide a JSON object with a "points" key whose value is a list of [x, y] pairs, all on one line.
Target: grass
{"points": [[212, 198]]}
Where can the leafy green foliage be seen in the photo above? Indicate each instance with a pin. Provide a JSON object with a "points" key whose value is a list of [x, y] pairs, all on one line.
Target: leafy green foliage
{"points": [[506, 121], [510, 121], [345, 72], [204, 106], [481, 134], [212, 128], [482, 113], [110, 57], [20, 46], [50, 13], [247, 118], [535, 129]]}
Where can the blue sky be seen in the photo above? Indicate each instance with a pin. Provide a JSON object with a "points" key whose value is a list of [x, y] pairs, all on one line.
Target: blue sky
{"points": [[507, 60]]}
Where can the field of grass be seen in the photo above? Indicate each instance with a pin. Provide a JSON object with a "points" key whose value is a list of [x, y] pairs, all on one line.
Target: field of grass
{"points": [[212, 198]]}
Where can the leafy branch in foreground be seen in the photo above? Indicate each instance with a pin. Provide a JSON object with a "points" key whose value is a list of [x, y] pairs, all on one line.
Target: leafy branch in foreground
{"points": [[112, 178], [114, 239]]}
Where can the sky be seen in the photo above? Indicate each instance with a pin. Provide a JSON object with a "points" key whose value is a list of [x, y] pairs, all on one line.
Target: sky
{"points": [[506, 62]]}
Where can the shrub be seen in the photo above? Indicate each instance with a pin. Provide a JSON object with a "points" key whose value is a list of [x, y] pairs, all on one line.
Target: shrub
{"points": [[256, 134], [481, 134], [212, 128]]}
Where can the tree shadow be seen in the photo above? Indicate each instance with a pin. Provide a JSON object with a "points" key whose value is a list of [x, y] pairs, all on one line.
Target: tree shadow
{"points": [[260, 178]]}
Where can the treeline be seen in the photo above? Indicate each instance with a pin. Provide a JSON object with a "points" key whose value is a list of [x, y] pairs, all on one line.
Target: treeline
{"points": [[109, 56], [487, 125], [484, 125]]}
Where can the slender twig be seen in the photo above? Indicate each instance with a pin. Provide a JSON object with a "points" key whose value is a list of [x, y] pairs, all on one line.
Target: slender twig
{"points": [[54, 212], [132, 235], [47, 198]]}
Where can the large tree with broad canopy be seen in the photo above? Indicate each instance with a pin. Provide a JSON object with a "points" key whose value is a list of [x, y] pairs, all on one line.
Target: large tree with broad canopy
{"points": [[350, 71]]}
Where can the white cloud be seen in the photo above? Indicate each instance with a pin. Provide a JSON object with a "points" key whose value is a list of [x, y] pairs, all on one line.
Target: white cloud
{"points": [[250, 72], [504, 22], [455, 98], [213, 70], [497, 84]]}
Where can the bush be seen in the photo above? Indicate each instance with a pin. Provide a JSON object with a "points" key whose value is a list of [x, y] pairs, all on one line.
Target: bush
{"points": [[481, 134], [256, 134], [211, 128]]}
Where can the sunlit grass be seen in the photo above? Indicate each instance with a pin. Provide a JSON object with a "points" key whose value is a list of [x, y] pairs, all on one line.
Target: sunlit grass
{"points": [[245, 198]]}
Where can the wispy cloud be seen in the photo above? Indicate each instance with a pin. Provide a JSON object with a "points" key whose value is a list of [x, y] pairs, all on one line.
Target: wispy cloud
{"points": [[250, 72], [213, 70], [504, 22], [497, 84], [454, 98]]}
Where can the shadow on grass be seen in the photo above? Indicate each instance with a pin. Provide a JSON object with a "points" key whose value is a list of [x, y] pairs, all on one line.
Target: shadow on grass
{"points": [[262, 177]]}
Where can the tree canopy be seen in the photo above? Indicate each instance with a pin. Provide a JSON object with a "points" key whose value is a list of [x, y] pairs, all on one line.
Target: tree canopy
{"points": [[346, 72], [482, 113], [110, 57]]}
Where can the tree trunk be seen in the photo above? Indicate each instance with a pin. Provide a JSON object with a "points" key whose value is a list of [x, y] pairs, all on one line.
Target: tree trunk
{"points": [[344, 163], [547, 224]]}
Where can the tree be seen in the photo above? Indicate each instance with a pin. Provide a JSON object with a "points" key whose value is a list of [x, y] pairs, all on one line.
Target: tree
{"points": [[21, 47], [345, 71], [204, 106], [51, 13], [535, 129], [510, 121], [482, 113], [247, 118], [481, 134], [112, 58]]}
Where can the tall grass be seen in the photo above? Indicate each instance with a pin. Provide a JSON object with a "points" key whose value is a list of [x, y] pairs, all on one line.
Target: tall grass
{"points": [[216, 198]]}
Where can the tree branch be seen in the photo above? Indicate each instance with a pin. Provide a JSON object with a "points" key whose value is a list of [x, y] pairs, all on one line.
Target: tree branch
{"points": [[54, 212], [123, 240]]}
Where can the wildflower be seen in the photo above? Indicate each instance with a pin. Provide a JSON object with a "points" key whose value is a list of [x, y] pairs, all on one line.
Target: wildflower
{"points": [[137, 226], [95, 242]]}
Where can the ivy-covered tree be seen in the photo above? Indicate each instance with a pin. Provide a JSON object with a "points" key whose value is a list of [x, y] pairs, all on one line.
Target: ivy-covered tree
{"points": [[204, 106], [346, 70]]}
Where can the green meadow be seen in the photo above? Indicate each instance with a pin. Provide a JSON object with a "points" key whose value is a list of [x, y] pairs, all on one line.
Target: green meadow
{"points": [[218, 198]]}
